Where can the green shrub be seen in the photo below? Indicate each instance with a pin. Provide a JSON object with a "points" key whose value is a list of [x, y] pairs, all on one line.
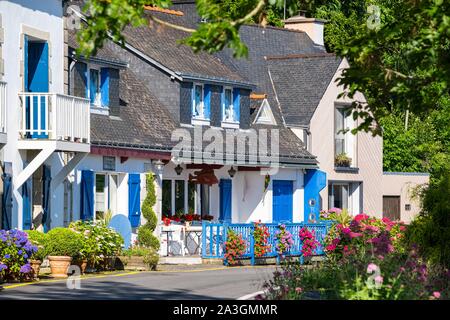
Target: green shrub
{"points": [[39, 240], [99, 240], [431, 229], [64, 242], [146, 237], [150, 255]]}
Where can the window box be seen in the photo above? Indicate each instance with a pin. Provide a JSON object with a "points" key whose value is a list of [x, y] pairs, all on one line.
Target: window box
{"points": [[347, 169]]}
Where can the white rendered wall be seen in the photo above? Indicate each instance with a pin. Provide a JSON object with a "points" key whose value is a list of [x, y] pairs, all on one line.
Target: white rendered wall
{"points": [[43, 18]]}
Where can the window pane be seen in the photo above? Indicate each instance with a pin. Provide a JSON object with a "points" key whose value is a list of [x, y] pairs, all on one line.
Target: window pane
{"points": [[191, 197], [198, 111], [339, 134], [179, 196], [100, 201], [204, 199], [94, 87], [167, 198], [338, 196], [228, 105]]}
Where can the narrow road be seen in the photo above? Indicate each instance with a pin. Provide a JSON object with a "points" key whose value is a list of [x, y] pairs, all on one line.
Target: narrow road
{"points": [[218, 283]]}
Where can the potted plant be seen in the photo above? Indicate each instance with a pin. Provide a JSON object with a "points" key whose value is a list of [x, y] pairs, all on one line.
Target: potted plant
{"points": [[138, 258], [62, 246], [342, 160], [38, 239]]}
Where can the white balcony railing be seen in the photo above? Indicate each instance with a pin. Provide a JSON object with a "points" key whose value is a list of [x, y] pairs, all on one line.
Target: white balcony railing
{"points": [[2, 107], [54, 116]]}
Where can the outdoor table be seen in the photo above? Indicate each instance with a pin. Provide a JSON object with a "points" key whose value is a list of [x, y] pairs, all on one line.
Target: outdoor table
{"points": [[167, 237], [191, 234]]}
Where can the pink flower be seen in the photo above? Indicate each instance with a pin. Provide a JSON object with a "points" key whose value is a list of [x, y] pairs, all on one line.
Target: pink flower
{"points": [[298, 290], [378, 279], [331, 247], [355, 234], [346, 230], [361, 217], [371, 267], [437, 294]]}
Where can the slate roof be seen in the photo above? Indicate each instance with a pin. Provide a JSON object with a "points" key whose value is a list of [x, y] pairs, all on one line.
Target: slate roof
{"points": [[300, 83], [161, 43]]}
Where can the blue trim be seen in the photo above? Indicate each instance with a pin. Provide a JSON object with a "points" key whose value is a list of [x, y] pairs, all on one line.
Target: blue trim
{"points": [[87, 195], [225, 200], [282, 207], [104, 86], [207, 101], [237, 104], [315, 180], [46, 180], [134, 199], [26, 205]]}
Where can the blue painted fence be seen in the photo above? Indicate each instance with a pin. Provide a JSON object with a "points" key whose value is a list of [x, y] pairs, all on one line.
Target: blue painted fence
{"points": [[214, 236]]}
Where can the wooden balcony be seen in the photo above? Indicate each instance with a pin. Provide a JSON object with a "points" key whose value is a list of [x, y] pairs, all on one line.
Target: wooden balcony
{"points": [[50, 118]]}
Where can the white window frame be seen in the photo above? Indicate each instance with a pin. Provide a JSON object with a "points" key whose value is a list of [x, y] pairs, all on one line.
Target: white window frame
{"points": [[200, 120], [349, 138], [226, 122], [331, 195], [197, 200], [97, 108], [106, 192]]}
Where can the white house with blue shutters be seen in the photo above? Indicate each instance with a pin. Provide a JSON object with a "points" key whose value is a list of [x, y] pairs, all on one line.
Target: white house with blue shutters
{"points": [[79, 135], [45, 133]]}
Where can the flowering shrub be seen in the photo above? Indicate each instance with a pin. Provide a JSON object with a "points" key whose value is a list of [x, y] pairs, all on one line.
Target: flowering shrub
{"points": [[15, 250], [38, 239], [261, 238], [309, 242], [99, 240], [284, 240], [234, 247], [363, 234]]}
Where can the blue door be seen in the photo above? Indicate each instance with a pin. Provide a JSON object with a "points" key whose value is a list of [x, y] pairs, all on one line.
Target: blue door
{"points": [[26, 204], [315, 181], [36, 80], [225, 200], [282, 201], [134, 199]]}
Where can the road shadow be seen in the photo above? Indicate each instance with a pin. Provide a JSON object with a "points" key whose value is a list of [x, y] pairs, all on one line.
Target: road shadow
{"points": [[105, 290]]}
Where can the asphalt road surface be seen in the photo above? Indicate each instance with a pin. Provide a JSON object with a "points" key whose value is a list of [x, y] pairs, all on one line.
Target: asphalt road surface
{"points": [[217, 283]]}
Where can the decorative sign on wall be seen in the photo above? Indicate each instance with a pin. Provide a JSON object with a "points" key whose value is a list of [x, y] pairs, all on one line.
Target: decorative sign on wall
{"points": [[109, 163]]}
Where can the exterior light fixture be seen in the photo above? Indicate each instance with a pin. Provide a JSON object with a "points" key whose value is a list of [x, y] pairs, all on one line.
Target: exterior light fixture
{"points": [[232, 172], [178, 169], [159, 165]]}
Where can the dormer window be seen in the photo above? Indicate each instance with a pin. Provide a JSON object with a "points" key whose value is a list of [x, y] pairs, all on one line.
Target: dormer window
{"points": [[230, 107], [97, 87], [94, 87], [201, 96], [199, 102]]}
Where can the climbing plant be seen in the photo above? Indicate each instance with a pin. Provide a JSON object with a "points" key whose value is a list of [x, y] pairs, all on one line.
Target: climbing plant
{"points": [[146, 237]]}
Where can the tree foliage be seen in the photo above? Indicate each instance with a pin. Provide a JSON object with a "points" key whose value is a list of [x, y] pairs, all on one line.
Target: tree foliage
{"points": [[146, 237]]}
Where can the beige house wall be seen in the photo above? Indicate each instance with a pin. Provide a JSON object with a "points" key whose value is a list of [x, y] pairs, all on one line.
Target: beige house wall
{"points": [[404, 185], [368, 155]]}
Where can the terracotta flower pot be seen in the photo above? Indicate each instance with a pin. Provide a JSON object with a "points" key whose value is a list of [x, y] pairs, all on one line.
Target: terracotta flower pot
{"points": [[59, 265], [82, 264], [36, 266]]}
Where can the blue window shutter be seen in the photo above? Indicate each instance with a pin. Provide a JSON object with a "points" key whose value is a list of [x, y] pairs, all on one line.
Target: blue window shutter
{"points": [[6, 202], [225, 200], [237, 104], [26, 205], [46, 179], [207, 101], [104, 85], [134, 199], [25, 63], [87, 195]]}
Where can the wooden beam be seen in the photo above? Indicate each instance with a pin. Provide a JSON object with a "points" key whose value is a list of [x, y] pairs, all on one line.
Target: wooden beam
{"points": [[28, 171], [203, 166], [131, 153]]}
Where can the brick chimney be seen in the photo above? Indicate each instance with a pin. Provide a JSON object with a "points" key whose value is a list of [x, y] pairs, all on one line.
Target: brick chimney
{"points": [[312, 26]]}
